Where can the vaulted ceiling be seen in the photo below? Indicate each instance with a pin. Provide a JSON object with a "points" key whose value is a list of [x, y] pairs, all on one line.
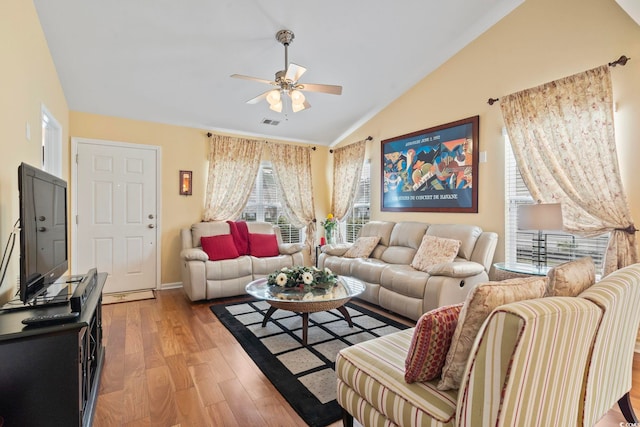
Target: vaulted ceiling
{"points": [[170, 61]]}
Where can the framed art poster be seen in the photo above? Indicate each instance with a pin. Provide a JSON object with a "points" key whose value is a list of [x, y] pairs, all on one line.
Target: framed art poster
{"points": [[432, 170]]}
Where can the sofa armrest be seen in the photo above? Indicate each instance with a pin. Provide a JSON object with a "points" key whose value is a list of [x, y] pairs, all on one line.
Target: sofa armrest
{"points": [[194, 254], [529, 362], [336, 249], [459, 269], [290, 248]]}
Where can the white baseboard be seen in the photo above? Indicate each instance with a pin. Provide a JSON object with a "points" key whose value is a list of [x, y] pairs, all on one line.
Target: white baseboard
{"points": [[174, 285]]}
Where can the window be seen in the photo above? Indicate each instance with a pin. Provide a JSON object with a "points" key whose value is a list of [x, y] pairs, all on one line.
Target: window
{"points": [[51, 143], [360, 211], [265, 204], [519, 244]]}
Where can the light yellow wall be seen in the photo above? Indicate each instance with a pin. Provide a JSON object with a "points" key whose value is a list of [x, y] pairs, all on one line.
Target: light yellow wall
{"points": [[28, 80], [542, 40], [182, 149]]}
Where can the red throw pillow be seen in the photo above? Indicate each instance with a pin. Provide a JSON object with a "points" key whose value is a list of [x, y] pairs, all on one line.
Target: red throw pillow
{"points": [[430, 343], [263, 245], [219, 247]]}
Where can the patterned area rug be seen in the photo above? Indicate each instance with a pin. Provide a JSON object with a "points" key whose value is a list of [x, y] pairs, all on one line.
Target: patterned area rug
{"points": [[304, 376]]}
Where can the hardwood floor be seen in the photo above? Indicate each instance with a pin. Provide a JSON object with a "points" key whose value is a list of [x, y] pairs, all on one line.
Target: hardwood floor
{"points": [[169, 362]]}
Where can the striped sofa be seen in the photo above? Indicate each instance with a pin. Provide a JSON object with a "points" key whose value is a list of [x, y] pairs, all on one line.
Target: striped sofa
{"points": [[542, 362]]}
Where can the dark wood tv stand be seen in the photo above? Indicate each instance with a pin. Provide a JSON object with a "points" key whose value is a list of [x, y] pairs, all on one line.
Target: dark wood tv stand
{"points": [[49, 375]]}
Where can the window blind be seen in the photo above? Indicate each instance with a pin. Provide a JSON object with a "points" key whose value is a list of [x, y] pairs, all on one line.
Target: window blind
{"points": [[265, 204], [560, 246]]}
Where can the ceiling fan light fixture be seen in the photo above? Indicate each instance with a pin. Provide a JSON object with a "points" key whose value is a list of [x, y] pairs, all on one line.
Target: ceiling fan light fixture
{"points": [[273, 97], [297, 97], [297, 107], [277, 107]]}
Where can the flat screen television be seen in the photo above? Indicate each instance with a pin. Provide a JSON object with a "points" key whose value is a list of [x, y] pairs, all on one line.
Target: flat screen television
{"points": [[43, 231]]}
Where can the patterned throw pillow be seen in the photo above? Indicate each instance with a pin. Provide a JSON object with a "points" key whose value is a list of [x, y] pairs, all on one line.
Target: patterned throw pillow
{"points": [[434, 250], [480, 302], [219, 247], [571, 278], [362, 247], [430, 343]]}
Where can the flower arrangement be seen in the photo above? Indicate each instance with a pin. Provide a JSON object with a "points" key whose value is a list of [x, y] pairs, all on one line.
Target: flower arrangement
{"points": [[329, 224], [302, 277]]}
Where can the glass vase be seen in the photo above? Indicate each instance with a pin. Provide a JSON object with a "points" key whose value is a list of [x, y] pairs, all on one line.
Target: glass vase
{"points": [[331, 236]]}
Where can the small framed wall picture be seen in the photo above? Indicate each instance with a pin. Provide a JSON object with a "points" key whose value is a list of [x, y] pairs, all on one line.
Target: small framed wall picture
{"points": [[186, 183]]}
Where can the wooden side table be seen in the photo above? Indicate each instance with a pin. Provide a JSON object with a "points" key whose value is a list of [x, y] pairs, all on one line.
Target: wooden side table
{"points": [[503, 270]]}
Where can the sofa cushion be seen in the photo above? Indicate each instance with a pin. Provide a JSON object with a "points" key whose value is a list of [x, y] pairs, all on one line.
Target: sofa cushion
{"points": [[430, 343], [203, 229], [374, 369], [263, 245], [434, 250], [480, 302], [456, 269], [362, 247], [571, 278], [219, 247]]}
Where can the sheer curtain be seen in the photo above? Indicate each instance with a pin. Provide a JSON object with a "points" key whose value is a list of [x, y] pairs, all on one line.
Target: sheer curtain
{"points": [[347, 167], [292, 166], [563, 139], [233, 166]]}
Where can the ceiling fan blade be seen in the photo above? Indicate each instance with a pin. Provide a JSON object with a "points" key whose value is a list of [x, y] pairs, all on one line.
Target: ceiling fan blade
{"points": [[255, 79], [311, 87], [258, 98], [294, 72]]}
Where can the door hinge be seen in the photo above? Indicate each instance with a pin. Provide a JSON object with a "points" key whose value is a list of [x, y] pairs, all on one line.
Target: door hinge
{"points": [[76, 219], [76, 158]]}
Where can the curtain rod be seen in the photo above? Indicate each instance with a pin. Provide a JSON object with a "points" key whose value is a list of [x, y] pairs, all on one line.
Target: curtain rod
{"points": [[209, 134], [369, 138], [622, 61]]}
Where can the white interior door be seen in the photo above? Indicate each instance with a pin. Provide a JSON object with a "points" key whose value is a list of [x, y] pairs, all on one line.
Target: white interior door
{"points": [[117, 214]]}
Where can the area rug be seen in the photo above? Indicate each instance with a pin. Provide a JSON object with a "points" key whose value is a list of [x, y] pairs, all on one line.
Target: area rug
{"points": [[305, 376], [117, 297]]}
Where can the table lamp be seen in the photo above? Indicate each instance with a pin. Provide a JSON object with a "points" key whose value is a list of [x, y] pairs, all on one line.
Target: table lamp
{"points": [[541, 216]]}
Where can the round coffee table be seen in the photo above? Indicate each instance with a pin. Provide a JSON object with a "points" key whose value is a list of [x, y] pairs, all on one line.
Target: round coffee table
{"points": [[305, 302]]}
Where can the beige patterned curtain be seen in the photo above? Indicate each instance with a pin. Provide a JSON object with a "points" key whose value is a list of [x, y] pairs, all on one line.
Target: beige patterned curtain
{"points": [[563, 140], [233, 167], [347, 167], [292, 166]]}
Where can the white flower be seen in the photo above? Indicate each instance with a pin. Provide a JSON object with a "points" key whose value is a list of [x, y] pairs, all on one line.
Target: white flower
{"points": [[281, 279], [327, 271], [307, 278]]}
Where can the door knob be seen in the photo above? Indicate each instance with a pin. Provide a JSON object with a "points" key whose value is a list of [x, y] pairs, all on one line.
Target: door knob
{"points": [[151, 216], [151, 226]]}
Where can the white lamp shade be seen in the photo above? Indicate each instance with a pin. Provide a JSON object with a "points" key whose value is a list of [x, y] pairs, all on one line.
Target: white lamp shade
{"points": [[273, 97], [543, 216], [276, 107], [297, 97]]}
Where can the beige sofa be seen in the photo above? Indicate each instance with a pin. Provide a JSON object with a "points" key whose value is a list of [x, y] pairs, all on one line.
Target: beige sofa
{"points": [[204, 279], [561, 361], [393, 284]]}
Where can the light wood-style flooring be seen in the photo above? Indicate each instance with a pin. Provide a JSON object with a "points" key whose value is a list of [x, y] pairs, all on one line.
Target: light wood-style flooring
{"points": [[169, 362]]}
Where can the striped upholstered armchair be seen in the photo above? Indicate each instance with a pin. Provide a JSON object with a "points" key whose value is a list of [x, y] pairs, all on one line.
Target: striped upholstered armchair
{"points": [[538, 362]]}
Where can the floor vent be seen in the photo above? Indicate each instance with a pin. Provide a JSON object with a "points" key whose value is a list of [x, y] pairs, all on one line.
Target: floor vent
{"points": [[270, 122]]}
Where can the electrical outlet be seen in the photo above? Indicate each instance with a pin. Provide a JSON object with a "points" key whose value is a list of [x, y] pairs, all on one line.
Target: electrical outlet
{"points": [[483, 157]]}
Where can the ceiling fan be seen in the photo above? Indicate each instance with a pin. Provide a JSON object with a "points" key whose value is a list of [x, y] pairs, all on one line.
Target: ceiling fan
{"points": [[287, 82]]}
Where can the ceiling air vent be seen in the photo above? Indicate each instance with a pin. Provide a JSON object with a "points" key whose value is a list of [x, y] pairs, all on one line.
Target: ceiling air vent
{"points": [[270, 122]]}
